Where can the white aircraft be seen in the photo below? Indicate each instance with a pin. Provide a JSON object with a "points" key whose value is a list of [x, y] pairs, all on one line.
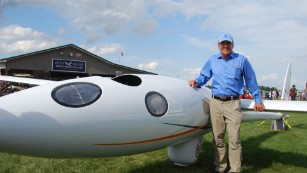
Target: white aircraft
{"points": [[101, 117]]}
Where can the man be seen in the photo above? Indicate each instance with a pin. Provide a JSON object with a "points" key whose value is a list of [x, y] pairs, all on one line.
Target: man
{"points": [[229, 70], [293, 93]]}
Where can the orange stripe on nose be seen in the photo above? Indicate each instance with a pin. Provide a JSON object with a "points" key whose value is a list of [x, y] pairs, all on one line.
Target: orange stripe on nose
{"points": [[155, 139]]}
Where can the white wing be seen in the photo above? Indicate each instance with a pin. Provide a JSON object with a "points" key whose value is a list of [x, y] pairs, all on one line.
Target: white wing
{"points": [[277, 105], [256, 116]]}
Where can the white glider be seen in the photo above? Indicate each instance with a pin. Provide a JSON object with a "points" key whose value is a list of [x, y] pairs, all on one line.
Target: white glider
{"points": [[101, 117]]}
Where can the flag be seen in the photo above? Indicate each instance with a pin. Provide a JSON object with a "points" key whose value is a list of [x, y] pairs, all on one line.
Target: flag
{"points": [[121, 53]]}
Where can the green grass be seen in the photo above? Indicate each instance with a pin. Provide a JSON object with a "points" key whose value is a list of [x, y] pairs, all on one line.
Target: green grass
{"points": [[264, 151]]}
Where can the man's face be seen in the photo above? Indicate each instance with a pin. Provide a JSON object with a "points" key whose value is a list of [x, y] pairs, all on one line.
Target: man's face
{"points": [[226, 48]]}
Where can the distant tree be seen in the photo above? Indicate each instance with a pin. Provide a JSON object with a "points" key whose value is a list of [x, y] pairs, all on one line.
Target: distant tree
{"points": [[273, 88], [266, 88], [209, 86]]}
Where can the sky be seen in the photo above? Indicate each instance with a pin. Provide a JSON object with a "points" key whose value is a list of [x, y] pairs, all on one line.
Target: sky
{"points": [[169, 37]]}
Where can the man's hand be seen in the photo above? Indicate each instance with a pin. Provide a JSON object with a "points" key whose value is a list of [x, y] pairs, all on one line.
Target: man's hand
{"points": [[259, 107], [193, 83]]}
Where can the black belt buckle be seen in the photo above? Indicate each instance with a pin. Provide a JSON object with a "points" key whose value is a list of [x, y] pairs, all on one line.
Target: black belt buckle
{"points": [[223, 98]]}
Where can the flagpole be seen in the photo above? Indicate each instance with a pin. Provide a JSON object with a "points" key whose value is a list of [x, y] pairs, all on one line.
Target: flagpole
{"points": [[121, 54]]}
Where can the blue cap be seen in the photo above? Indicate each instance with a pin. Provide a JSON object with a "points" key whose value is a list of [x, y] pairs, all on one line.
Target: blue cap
{"points": [[225, 37]]}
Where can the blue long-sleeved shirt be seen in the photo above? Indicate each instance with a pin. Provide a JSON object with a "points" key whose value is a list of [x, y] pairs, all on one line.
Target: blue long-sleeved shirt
{"points": [[229, 76]]}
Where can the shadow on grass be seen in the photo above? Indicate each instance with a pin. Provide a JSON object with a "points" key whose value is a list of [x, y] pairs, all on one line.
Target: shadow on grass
{"points": [[255, 158], [204, 164]]}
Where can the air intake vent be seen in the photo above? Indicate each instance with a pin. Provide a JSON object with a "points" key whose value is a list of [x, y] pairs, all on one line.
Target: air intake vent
{"points": [[129, 80]]}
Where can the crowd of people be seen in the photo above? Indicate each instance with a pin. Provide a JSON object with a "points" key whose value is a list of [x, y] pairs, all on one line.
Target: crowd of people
{"points": [[293, 94], [302, 96], [271, 95]]}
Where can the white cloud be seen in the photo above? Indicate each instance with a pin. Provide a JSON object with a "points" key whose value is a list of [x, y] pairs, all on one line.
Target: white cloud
{"points": [[268, 32], [192, 71], [196, 41], [253, 22], [107, 49], [272, 76], [15, 38], [149, 66], [111, 17], [16, 32], [145, 27], [61, 31], [24, 46], [96, 17]]}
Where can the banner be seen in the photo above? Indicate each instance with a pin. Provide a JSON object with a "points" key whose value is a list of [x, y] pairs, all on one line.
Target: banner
{"points": [[68, 65]]}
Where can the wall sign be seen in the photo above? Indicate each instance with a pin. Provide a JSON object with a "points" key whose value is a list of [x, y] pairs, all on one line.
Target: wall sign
{"points": [[68, 65]]}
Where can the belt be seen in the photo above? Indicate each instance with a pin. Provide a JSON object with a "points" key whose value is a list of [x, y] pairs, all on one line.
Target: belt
{"points": [[226, 98]]}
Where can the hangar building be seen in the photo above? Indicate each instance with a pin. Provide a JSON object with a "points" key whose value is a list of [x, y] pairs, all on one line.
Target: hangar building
{"points": [[63, 62]]}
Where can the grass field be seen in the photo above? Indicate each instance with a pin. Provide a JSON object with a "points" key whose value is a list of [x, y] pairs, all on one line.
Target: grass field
{"points": [[264, 151]]}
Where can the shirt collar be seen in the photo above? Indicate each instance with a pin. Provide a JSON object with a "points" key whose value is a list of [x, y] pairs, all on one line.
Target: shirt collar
{"points": [[231, 56]]}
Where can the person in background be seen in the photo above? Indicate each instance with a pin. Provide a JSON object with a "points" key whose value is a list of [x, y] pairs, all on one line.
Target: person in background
{"points": [[247, 95], [274, 94], [229, 71], [263, 94], [293, 93], [304, 94], [277, 94]]}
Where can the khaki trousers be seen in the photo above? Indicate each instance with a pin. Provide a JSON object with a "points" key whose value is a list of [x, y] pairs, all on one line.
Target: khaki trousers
{"points": [[226, 114]]}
